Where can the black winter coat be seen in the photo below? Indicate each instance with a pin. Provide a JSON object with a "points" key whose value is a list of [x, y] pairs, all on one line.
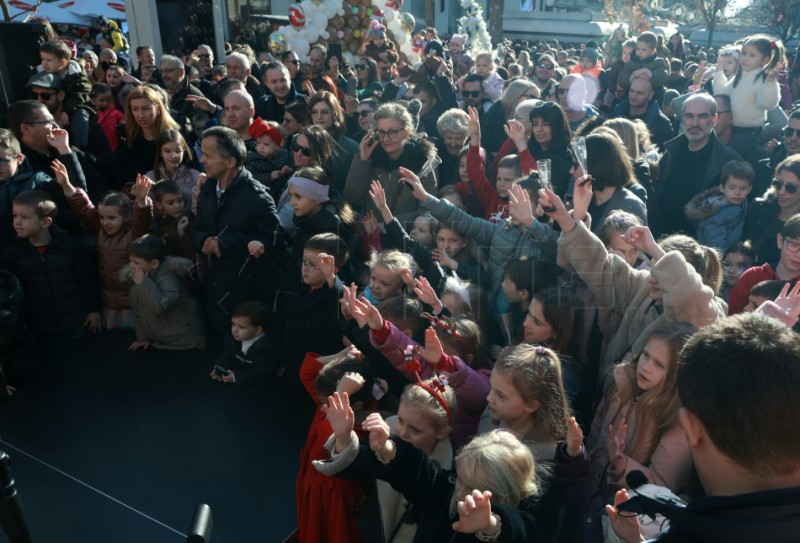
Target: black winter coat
{"points": [[245, 212], [61, 286], [17, 349]]}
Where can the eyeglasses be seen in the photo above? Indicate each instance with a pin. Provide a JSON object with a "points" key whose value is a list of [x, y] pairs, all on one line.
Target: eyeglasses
{"points": [[365, 113], [42, 95], [300, 149], [545, 66], [361, 66], [310, 266], [792, 245], [473, 94], [47, 122], [777, 184], [292, 61], [168, 70], [389, 134], [789, 132]]}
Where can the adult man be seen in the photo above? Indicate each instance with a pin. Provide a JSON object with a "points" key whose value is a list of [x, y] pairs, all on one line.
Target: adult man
{"points": [[387, 61], [641, 105], [271, 107], [316, 75], [543, 75], [107, 57], [233, 209], [41, 141], [571, 93], [48, 90], [205, 62], [239, 112], [292, 63], [174, 74], [473, 95], [431, 109], [146, 57], [739, 385], [691, 164], [238, 67]]}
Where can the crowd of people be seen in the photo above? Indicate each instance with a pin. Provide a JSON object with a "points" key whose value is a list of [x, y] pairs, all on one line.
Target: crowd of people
{"points": [[466, 263]]}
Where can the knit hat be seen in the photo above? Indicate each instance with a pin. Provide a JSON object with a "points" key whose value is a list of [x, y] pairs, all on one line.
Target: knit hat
{"points": [[591, 54], [436, 46], [460, 39], [549, 58]]}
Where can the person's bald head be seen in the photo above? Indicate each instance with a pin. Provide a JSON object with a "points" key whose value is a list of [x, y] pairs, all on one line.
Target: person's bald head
{"points": [[108, 55], [239, 110]]}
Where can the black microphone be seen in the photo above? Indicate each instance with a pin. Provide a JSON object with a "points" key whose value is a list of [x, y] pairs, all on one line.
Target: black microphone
{"points": [[635, 479]]}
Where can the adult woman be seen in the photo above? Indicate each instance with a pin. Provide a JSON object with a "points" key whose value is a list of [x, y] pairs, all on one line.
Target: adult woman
{"points": [[610, 170], [295, 117], [453, 129], [550, 140], [325, 112], [767, 214], [359, 119], [503, 110], [368, 85], [629, 132], [675, 47], [146, 118], [390, 144]]}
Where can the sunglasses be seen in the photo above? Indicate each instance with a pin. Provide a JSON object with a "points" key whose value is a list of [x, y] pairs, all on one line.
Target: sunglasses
{"points": [[293, 61], [205, 55], [362, 66], [365, 113], [777, 184], [473, 94], [545, 66], [789, 132], [300, 149], [42, 95]]}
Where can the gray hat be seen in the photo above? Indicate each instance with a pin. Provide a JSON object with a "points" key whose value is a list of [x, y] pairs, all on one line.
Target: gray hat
{"points": [[45, 80]]}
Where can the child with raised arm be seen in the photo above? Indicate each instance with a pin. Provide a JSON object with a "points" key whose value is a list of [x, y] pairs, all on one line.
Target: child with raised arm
{"points": [[249, 359], [117, 224], [167, 315], [492, 494]]}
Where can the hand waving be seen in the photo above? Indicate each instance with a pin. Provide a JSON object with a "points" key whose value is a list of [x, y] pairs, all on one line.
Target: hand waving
{"points": [[519, 205], [411, 179], [475, 513]]}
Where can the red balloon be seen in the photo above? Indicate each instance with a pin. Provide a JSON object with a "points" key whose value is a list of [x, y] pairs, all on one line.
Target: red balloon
{"points": [[297, 16]]}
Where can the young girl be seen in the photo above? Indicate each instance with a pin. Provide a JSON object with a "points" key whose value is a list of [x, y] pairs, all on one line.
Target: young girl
{"points": [[451, 347], [270, 158], [326, 508], [739, 258], [492, 82], [493, 493], [386, 274], [422, 421], [636, 426], [174, 162], [754, 90], [108, 116], [117, 224]]}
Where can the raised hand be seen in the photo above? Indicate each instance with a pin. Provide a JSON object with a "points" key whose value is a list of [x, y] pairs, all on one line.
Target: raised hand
{"points": [[520, 207], [425, 292], [515, 132], [574, 438], [616, 444], [408, 277], [433, 351], [641, 238], [785, 308], [62, 177], [626, 526], [339, 415], [474, 125], [366, 313], [475, 514], [346, 302], [327, 265], [378, 196], [582, 197], [368, 144], [350, 383], [550, 204], [411, 179], [141, 188], [378, 434]]}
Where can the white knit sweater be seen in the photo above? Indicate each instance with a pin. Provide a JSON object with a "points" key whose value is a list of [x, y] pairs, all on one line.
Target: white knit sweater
{"points": [[751, 98]]}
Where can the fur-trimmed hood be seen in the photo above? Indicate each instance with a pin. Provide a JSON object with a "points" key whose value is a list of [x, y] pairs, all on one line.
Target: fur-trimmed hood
{"points": [[419, 156], [705, 205]]}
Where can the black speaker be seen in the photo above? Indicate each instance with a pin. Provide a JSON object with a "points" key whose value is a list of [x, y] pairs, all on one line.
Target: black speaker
{"points": [[19, 56]]}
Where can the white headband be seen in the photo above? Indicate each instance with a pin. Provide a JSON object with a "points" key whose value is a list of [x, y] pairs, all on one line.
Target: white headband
{"points": [[310, 189]]}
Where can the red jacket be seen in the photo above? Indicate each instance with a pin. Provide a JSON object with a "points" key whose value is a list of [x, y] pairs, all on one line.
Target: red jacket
{"points": [[740, 293], [108, 119]]}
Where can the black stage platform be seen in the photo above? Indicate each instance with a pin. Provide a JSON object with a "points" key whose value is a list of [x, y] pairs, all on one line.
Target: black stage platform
{"points": [[112, 446]]}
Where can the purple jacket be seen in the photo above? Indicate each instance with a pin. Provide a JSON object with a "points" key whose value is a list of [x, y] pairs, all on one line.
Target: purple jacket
{"points": [[470, 386]]}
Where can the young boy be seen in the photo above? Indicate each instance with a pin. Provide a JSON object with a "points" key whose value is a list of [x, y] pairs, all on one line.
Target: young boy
{"points": [[78, 107], [762, 292], [645, 64], [16, 176], [171, 220], [167, 316], [720, 212], [523, 278], [307, 313], [57, 273], [249, 360]]}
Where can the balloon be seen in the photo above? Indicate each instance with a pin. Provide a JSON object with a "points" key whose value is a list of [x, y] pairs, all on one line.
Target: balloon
{"points": [[353, 22], [354, 10], [407, 22], [394, 4], [297, 16], [301, 47], [337, 23], [277, 43], [388, 15], [356, 33], [400, 39], [319, 21], [339, 34]]}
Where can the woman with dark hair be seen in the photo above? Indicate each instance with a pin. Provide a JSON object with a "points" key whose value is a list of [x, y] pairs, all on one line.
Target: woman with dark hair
{"points": [[675, 47], [359, 118], [368, 85], [767, 214], [551, 135], [326, 112], [501, 111], [609, 171], [295, 117]]}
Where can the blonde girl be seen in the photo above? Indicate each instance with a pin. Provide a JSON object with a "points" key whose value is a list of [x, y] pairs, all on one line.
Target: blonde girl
{"points": [[636, 425], [386, 274]]}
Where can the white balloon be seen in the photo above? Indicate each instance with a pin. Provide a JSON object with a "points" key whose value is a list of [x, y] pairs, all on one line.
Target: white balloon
{"points": [[400, 38], [319, 21], [325, 35], [312, 34], [340, 12], [302, 48], [379, 3], [388, 14]]}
